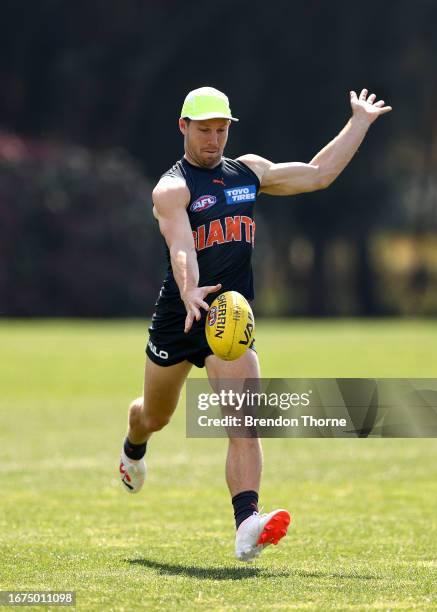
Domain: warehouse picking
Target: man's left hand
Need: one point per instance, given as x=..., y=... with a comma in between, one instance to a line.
x=365, y=108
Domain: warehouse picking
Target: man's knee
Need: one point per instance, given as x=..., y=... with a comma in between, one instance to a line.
x=156, y=423
x=136, y=410
x=139, y=419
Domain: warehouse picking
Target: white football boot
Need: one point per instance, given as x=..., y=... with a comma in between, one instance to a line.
x=258, y=531
x=132, y=473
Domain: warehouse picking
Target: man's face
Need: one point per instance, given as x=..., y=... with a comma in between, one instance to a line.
x=205, y=140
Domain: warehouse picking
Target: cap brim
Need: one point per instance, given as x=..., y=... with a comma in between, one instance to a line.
x=210, y=116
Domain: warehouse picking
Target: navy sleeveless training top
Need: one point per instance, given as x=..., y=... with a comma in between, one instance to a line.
x=221, y=216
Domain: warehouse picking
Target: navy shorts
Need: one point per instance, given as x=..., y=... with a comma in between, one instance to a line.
x=168, y=344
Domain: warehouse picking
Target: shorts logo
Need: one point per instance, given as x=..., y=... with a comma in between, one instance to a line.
x=212, y=315
x=161, y=354
x=203, y=203
x=240, y=194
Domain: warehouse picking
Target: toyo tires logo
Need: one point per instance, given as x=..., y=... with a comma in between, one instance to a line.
x=203, y=203
x=236, y=195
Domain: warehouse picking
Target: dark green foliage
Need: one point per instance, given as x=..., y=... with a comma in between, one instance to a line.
x=77, y=235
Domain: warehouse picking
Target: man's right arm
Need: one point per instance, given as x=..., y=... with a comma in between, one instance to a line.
x=170, y=199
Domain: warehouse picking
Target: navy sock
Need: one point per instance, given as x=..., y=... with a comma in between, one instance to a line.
x=245, y=504
x=134, y=451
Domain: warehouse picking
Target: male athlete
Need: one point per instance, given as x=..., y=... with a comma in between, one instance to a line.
x=204, y=206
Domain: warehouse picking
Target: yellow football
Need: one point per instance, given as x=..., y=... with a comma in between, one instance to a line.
x=229, y=325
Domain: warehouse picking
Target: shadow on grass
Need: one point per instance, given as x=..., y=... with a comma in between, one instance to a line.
x=206, y=573
x=240, y=573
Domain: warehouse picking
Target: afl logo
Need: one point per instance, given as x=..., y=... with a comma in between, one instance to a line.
x=203, y=203
x=212, y=315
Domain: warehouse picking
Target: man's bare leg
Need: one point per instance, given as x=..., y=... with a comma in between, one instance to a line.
x=243, y=469
x=162, y=388
x=244, y=458
x=147, y=414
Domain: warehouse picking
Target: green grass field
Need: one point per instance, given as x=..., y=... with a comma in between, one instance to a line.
x=364, y=531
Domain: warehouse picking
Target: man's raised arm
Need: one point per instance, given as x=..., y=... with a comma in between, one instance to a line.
x=294, y=177
x=170, y=199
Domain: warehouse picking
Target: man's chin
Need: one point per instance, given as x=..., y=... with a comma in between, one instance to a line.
x=209, y=160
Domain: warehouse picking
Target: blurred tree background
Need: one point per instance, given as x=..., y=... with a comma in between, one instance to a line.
x=90, y=96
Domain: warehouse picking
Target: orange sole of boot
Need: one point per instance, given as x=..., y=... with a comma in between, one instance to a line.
x=275, y=529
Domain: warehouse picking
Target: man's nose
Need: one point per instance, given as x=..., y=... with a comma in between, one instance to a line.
x=213, y=138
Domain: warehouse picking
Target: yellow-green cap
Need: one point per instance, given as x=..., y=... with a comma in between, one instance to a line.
x=206, y=103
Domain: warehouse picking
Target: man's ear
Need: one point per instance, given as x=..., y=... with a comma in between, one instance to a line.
x=182, y=126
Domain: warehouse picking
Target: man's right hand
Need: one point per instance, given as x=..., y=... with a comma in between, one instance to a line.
x=194, y=300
